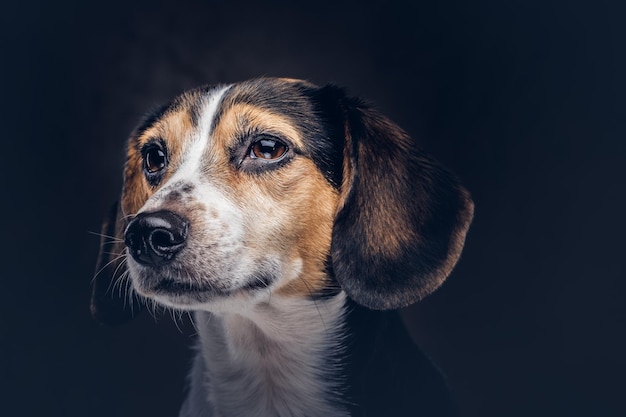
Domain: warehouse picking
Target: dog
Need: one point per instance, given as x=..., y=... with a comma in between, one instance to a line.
x=292, y=220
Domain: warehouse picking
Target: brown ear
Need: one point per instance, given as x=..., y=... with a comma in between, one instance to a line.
x=402, y=219
x=112, y=299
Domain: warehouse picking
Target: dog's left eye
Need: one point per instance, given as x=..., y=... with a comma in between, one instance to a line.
x=268, y=149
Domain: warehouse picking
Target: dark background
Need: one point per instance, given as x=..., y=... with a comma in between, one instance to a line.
x=524, y=100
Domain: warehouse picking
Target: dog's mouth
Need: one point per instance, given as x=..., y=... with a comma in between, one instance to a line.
x=182, y=287
x=175, y=287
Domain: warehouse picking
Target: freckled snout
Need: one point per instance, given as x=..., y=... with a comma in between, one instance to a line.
x=154, y=239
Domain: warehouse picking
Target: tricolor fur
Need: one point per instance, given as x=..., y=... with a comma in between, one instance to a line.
x=291, y=212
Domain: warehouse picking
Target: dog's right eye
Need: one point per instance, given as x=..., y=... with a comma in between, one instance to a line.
x=154, y=160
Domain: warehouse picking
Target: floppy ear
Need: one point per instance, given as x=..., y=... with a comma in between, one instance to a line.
x=112, y=301
x=402, y=218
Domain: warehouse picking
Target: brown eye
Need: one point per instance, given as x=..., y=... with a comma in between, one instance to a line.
x=268, y=149
x=155, y=160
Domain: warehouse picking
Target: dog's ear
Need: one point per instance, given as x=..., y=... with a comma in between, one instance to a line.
x=112, y=299
x=402, y=218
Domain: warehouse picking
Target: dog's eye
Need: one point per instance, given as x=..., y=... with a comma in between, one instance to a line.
x=155, y=160
x=268, y=149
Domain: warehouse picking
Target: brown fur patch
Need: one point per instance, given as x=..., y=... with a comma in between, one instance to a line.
x=312, y=222
x=298, y=193
x=242, y=119
x=174, y=129
x=382, y=186
x=387, y=228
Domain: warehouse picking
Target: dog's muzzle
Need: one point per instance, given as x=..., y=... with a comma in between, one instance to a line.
x=153, y=239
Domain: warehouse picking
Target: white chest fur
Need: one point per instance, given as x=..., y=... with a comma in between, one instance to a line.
x=274, y=360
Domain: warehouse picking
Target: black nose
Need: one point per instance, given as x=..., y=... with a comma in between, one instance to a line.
x=154, y=238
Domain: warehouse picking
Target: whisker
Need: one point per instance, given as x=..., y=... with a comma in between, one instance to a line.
x=154, y=307
x=193, y=323
x=208, y=320
x=129, y=216
x=129, y=291
x=116, y=280
x=117, y=258
x=118, y=254
x=112, y=239
x=124, y=287
x=174, y=313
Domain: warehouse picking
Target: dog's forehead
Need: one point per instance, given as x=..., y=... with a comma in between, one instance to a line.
x=279, y=95
x=280, y=106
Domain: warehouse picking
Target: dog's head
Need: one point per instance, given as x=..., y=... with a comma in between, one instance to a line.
x=275, y=185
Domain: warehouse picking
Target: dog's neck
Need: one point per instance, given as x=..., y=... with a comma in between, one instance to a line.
x=279, y=358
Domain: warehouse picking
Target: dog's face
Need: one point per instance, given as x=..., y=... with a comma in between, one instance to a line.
x=233, y=170
x=277, y=186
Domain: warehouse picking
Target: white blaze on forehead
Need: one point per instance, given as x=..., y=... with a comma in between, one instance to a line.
x=197, y=143
x=194, y=147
